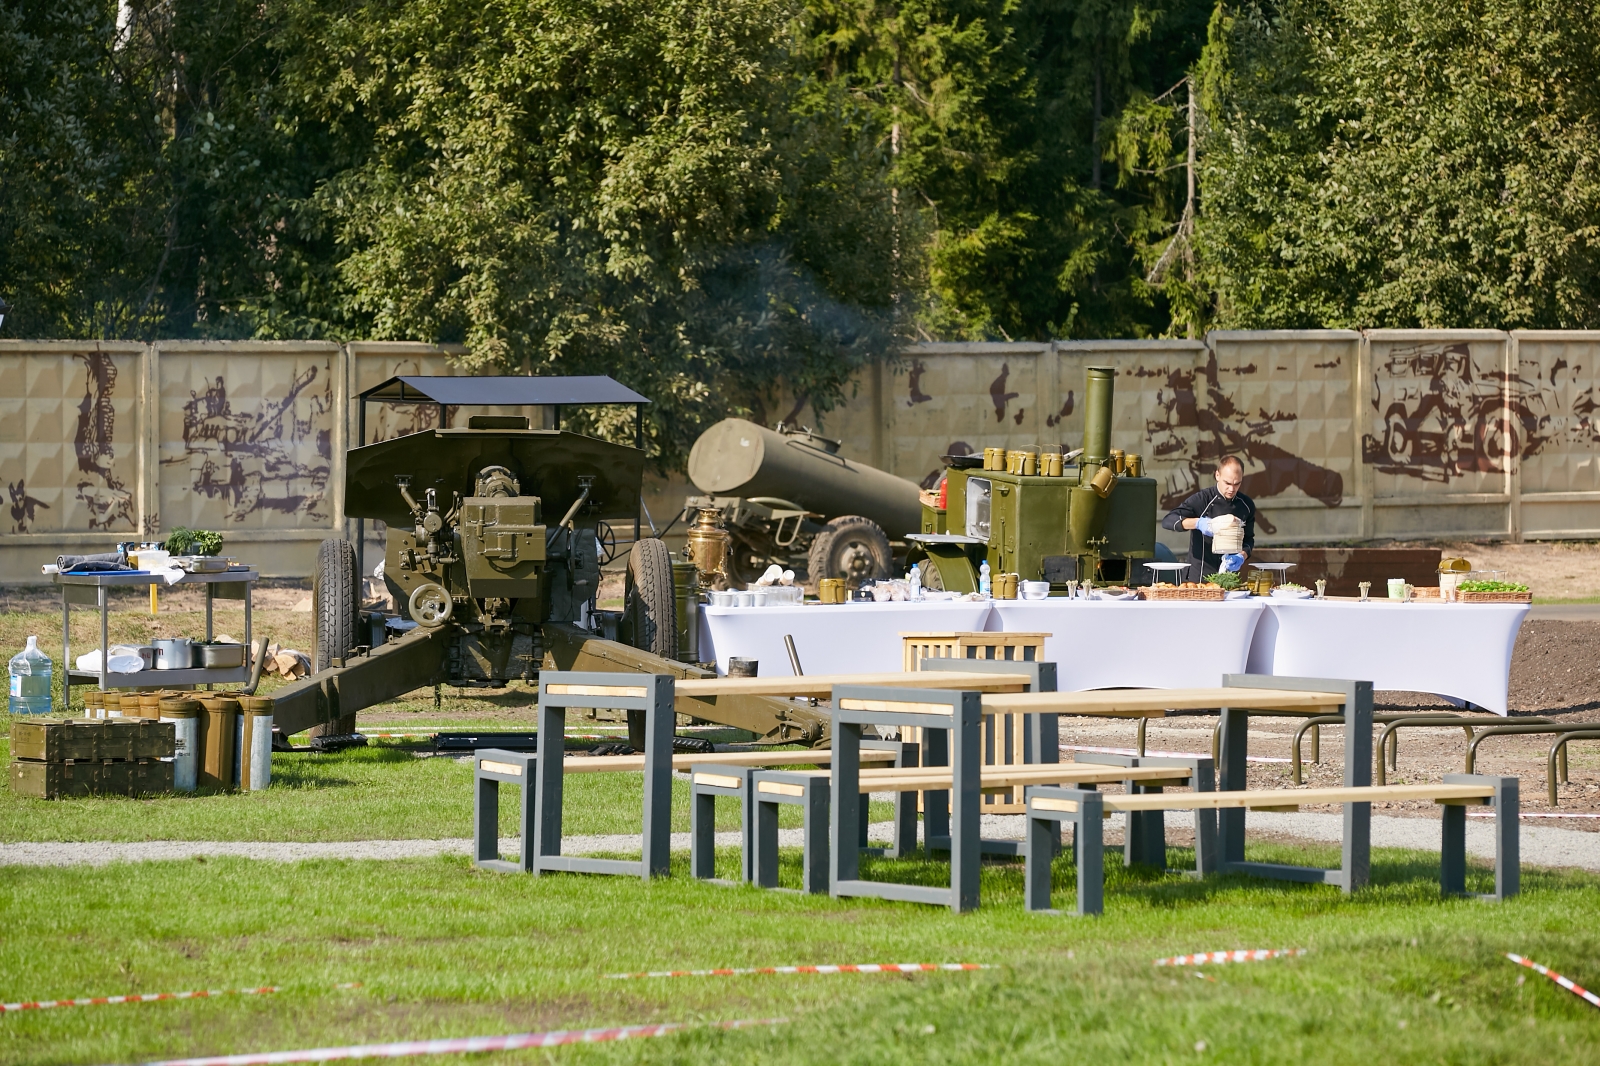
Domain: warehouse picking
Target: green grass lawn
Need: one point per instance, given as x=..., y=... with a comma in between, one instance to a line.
x=1394, y=974
x=442, y=950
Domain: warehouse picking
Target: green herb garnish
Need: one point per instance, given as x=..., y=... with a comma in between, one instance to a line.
x=1490, y=586
x=193, y=542
x=1226, y=581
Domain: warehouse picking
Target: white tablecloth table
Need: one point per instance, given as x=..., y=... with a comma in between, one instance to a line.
x=1460, y=650
x=846, y=638
x=1134, y=644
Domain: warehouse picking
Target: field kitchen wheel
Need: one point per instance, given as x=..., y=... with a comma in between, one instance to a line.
x=853, y=548
x=649, y=602
x=430, y=606
x=335, y=607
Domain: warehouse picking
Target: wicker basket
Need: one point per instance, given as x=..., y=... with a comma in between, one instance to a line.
x=1493, y=597
x=1211, y=593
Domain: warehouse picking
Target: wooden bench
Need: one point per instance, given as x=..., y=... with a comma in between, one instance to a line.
x=1051, y=807
x=811, y=790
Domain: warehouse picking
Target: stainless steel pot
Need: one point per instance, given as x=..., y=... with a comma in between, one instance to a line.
x=220, y=656
x=174, y=653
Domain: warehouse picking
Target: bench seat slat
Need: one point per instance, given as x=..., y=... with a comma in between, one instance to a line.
x=1288, y=797
x=1155, y=702
x=615, y=764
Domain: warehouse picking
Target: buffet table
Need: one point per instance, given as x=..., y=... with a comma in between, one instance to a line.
x=1133, y=644
x=848, y=638
x=1458, y=650
x=1461, y=651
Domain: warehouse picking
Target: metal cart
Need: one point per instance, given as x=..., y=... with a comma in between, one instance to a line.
x=94, y=590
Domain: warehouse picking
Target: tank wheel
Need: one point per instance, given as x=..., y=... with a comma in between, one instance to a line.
x=853, y=548
x=430, y=605
x=336, y=607
x=932, y=580
x=649, y=602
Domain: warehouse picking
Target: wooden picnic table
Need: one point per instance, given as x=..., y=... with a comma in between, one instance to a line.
x=820, y=686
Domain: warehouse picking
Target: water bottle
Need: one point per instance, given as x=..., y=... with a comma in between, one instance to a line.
x=914, y=578
x=30, y=680
x=985, y=586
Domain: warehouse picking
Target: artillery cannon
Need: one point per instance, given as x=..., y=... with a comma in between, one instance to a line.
x=1085, y=520
x=787, y=496
x=493, y=556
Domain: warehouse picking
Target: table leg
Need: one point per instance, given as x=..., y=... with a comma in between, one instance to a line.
x=66, y=649
x=210, y=587
x=105, y=611
x=1231, y=765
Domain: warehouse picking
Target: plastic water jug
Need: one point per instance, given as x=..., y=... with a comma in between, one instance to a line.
x=30, y=680
x=985, y=581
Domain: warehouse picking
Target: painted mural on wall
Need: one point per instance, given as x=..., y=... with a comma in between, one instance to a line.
x=256, y=452
x=1443, y=411
x=77, y=483
x=1199, y=419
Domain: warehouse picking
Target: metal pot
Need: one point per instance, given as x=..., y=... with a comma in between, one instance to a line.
x=220, y=656
x=174, y=653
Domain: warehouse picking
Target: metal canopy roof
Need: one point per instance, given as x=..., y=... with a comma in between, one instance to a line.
x=504, y=391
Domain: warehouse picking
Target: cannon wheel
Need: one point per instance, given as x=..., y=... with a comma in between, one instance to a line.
x=649, y=602
x=336, y=607
x=853, y=548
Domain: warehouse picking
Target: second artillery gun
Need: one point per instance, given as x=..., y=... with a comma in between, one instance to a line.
x=493, y=553
x=1089, y=518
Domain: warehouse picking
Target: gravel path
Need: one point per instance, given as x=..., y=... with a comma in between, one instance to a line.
x=1541, y=845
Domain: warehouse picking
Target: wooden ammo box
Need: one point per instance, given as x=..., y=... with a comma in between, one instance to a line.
x=91, y=757
x=96, y=739
x=124, y=777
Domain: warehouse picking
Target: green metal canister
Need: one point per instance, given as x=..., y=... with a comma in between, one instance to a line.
x=1098, y=392
x=216, y=742
x=686, y=608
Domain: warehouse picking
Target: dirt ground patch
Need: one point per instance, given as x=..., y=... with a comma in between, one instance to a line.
x=1555, y=673
x=1554, y=570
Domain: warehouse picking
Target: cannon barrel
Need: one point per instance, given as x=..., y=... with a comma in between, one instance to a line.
x=739, y=458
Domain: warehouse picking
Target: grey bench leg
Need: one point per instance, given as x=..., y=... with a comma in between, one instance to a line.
x=766, y=848
x=1091, y=854
x=486, y=821
x=1040, y=850
x=1453, y=849
x=1507, y=837
x=1144, y=838
x=702, y=836
x=816, y=825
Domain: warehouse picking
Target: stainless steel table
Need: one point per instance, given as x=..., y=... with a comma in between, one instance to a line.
x=94, y=590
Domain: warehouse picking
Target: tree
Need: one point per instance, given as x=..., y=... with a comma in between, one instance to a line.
x=1424, y=164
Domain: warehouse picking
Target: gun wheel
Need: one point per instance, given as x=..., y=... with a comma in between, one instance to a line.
x=649, y=603
x=336, y=606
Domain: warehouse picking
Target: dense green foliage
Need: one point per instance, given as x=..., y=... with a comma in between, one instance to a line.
x=720, y=205
x=1374, y=163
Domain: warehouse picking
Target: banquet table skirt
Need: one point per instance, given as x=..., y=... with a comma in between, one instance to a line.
x=848, y=638
x=1458, y=650
x=1135, y=644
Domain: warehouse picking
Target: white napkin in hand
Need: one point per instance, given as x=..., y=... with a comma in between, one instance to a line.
x=1224, y=521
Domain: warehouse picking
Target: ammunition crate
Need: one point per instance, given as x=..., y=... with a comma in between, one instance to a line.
x=92, y=739
x=123, y=777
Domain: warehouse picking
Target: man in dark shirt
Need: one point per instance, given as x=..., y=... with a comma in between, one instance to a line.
x=1195, y=515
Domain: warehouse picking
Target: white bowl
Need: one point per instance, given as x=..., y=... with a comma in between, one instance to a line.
x=1033, y=590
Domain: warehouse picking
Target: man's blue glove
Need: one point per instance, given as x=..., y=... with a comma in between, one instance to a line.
x=1232, y=564
x=1203, y=525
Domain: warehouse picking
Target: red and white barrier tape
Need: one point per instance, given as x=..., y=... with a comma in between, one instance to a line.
x=1206, y=957
x=1164, y=754
x=457, y=1046
x=871, y=967
x=153, y=997
x=1564, y=982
